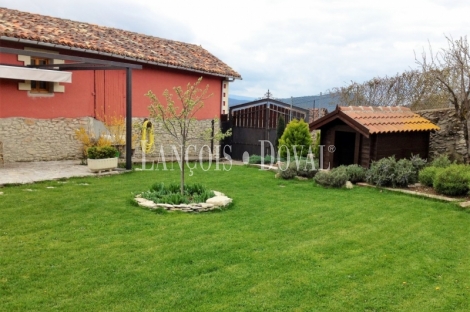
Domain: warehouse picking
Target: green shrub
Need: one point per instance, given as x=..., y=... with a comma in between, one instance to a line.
x=356, y=173
x=304, y=169
x=254, y=159
x=405, y=173
x=418, y=162
x=427, y=175
x=390, y=172
x=336, y=177
x=442, y=161
x=339, y=176
x=382, y=172
x=323, y=178
x=288, y=173
x=296, y=134
x=452, y=180
x=102, y=152
x=268, y=159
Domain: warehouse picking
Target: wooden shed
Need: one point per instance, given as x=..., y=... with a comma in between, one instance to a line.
x=362, y=134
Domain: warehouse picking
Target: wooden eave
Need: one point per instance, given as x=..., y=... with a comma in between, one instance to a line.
x=338, y=114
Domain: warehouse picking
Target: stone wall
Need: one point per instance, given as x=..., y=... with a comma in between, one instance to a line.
x=450, y=138
x=164, y=142
x=27, y=139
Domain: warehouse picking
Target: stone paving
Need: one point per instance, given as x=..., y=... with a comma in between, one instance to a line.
x=30, y=172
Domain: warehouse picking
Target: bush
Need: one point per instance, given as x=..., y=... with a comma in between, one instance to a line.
x=256, y=159
x=356, y=173
x=452, y=180
x=442, y=161
x=323, y=178
x=268, y=159
x=427, y=175
x=405, y=173
x=288, y=173
x=339, y=176
x=97, y=152
x=296, y=134
x=382, y=172
x=390, y=172
x=418, y=162
x=304, y=169
x=336, y=177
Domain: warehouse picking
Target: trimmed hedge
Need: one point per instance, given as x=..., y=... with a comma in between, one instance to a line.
x=427, y=175
x=453, y=180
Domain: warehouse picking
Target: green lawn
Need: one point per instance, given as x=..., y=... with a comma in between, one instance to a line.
x=282, y=246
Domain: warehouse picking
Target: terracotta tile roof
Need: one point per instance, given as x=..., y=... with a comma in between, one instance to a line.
x=379, y=119
x=119, y=43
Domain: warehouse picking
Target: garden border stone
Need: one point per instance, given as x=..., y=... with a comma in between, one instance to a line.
x=214, y=203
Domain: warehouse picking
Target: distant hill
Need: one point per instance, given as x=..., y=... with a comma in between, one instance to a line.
x=233, y=102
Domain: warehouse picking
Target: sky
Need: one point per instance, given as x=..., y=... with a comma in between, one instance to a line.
x=293, y=48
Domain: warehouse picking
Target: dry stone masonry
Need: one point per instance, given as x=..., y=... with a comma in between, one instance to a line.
x=450, y=138
x=28, y=139
x=164, y=141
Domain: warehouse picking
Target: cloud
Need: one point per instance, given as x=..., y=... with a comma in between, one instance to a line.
x=293, y=48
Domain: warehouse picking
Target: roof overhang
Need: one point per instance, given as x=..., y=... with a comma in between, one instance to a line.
x=25, y=73
x=126, y=58
x=337, y=114
x=270, y=102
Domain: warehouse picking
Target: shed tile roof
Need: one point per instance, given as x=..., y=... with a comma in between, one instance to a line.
x=380, y=119
x=119, y=43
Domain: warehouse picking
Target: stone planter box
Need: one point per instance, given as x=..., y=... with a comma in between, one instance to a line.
x=98, y=165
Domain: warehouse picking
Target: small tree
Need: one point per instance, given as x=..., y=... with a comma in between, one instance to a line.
x=450, y=68
x=410, y=88
x=296, y=135
x=179, y=121
x=281, y=126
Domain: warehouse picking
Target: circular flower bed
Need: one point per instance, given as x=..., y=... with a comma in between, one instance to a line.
x=196, y=198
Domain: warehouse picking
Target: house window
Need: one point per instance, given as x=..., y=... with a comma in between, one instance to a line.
x=40, y=86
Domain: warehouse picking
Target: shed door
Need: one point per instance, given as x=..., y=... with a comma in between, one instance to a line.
x=345, y=143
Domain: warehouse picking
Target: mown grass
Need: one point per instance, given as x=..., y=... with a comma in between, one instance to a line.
x=282, y=246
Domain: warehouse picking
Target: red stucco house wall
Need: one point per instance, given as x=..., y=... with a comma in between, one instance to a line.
x=40, y=126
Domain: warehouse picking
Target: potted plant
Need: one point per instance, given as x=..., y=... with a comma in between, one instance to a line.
x=102, y=158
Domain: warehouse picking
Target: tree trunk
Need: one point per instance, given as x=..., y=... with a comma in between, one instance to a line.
x=465, y=126
x=183, y=163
